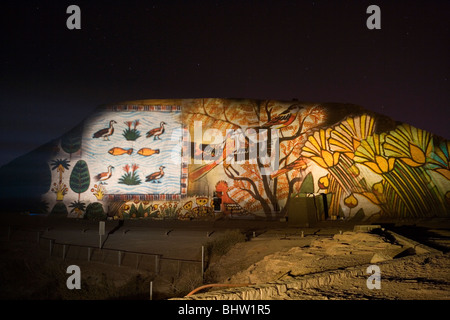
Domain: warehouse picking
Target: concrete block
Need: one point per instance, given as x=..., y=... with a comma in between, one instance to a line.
x=386, y=255
x=366, y=227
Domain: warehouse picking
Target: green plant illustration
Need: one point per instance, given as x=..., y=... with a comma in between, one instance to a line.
x=139, y=212
x=77, y=206
x=59, y=209
x=129, y=133
x=71, y=141
x=94, y=211
x=169, y=210
x=130, y=177
x=80, y=178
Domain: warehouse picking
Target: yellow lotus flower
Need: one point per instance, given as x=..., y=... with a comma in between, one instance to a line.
x=347, y=136
x=317, y=149
x=381, y=165
x=370, y=153
x=410, y=144
x=327, y=159
x=417, y=156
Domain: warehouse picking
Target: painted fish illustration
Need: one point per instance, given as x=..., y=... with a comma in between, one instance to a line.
x=116, y=151
x=146, y=152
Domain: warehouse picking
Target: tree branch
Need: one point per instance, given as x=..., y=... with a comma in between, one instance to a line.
x=287, y=156
x=268, y=111
x=215, y=119
x=297, y=134
x=300, y=127
x=257, y=109
x=256, y=195
x=265, y=181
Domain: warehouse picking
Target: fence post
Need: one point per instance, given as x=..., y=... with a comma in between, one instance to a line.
x=151, y=290
x=120, y=257
x=89, y=254
x=203, y=261
x=101, y=232
x=137, y=260
x=156, y=264
x=51, y=246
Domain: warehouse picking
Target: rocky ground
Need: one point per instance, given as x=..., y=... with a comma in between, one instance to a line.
x=404, y=275
x=321, y=254
x=415, y=278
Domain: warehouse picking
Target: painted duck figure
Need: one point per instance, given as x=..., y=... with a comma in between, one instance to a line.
x=102, y=177
x=156, y=176
x=106, y=132
x=155, y=133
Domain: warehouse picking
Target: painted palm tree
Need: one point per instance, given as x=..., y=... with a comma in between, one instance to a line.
x=60, y=165
x=78, y=207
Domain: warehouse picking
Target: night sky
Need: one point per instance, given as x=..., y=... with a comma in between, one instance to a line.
x=321, y=51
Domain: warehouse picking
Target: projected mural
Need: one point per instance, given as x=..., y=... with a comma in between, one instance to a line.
x=366, y=165
x=122, y=152
x=125, y=161
x=164, y=159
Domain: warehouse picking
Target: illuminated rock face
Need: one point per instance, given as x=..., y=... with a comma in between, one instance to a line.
x=159, y=159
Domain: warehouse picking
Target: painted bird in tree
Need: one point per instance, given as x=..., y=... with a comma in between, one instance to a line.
x=155, y=133
x=155, y=176
x=299, y=164
x=220, y=153
x=106, y=132
x=102, y=177
x=283, y=119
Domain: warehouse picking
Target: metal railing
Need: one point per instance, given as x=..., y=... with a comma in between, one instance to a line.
x=104, y=255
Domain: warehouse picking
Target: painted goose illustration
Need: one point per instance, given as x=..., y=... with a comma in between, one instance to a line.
x=106, y=132
x=102, y=177
x=156, y=176
x=155, y=133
